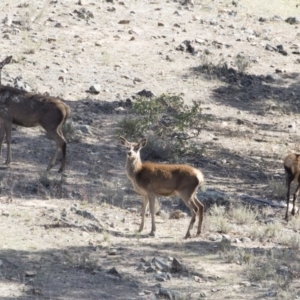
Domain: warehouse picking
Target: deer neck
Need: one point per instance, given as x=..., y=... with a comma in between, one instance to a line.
x=133, y=165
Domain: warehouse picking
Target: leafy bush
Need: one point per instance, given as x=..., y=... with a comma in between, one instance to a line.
x=168, y=120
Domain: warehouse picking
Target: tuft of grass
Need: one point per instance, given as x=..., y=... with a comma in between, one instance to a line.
x=291, y=240
x=277, y=188
x=272, y=230
x=243, y=215
x=242, y=62
x=237, y=255
x=217, y=210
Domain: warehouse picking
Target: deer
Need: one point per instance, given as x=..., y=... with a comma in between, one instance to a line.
x=26, y=109
x=151, y=180
x=292, y=171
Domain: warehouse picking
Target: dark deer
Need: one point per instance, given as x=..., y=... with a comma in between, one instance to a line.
x=29, y=110
x=292, y=172
x=151, y=180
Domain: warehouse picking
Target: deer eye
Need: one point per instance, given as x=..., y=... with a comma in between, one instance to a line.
x=136, y=148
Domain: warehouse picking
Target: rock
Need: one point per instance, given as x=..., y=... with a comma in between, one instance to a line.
x=124, y=22
x=281, y=50
x=140, y=267
x=202, y=294
x=226, y=238
x=246, y=240
x=160, y=278
x=272, y=78
x=83, y=13
x=95, y=89
x=160, y=24
x=215, y=238
x=237, y=241
x=145, y=93
x=150, y=270
x=177, y=266
x=111, y=9
x=262, y=19
x=113, y=271
x=113, y=252
x=30, y=273
x=161, y=265
x=292, y=20
x=87, y=215
x=84, y=128
x=270, y=48
x=172, y=295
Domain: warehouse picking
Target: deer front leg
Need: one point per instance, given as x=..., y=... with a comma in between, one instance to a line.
x=152, y=212
x=287, y=201
x=2, y=132
x=7, y=129
x=294, y=199
x=144, y=207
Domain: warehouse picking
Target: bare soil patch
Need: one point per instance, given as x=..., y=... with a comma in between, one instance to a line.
x=74, y=236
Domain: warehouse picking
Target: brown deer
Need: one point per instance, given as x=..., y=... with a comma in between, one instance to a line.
x=292, y=172
x=151, y=180
x=29, y=110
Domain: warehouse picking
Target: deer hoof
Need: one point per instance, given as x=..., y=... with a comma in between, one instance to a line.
x=152, y=233
x=187, y=236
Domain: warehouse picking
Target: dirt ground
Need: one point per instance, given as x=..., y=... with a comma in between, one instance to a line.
x=74, y=236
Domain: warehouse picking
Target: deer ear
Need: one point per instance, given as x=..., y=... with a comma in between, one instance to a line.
x=143, y=143
x=123, y=141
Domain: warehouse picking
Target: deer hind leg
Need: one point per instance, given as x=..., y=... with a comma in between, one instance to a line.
x=2, y=133
x=294, y=199
x=200, y=213
x=58, y=137
x=289, y=179
x=152, y=212
x=144, y=207
x=189, y=201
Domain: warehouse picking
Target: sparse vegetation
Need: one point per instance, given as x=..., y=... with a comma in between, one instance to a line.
x=174, y=124
x=243, y=215
x=242, y=62
x=75, y=236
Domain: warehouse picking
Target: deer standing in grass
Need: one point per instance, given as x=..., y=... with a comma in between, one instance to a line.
x=292, y=172
x=151, y=180
x=29, y=110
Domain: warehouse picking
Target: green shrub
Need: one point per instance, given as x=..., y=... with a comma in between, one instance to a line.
x=172, y=124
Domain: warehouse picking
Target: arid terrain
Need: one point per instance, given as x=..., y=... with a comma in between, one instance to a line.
x=74, y=235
